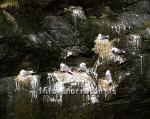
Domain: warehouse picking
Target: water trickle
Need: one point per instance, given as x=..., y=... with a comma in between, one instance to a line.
x=141, y=61
x=134, y=43
x=17, y=87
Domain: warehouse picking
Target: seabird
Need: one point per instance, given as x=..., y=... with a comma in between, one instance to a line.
x=83, y=67
x=26, y=73
x=69, y=53
x=76, y=51
x=108, y=76
x=117, y=51
x=103, y=37
x=65, y=68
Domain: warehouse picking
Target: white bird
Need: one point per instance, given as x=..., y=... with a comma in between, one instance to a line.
x=83, y=67
x=108, y=76
x=65, y=68
x=69, y=53
x=117, y=51
x=102, y=37
x=25, y=73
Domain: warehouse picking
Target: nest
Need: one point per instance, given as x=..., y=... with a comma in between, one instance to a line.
x=103, y=49
x=106, y=86
x=23, y=81
x=9, y=3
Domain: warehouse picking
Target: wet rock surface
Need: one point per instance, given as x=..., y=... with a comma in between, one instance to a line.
x=55, y=90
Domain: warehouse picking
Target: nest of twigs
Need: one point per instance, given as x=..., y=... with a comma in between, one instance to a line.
x=103, y=49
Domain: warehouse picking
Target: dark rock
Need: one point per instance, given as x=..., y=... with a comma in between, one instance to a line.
x=63, y=30
x=76, y=51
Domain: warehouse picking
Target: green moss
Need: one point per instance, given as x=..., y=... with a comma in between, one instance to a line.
x=147, y=24
x=92, y=17
x=95, y=50
x=138, y=31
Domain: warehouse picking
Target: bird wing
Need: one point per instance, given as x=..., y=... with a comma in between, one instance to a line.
x=85, y=68
x=66, y=68
x=108, y=77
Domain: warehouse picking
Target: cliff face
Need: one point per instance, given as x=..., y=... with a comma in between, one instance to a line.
x=42, y=33
x=52, y=33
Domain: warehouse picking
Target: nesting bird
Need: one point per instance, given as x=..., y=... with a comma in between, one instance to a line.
x=70, y=53
x=83, y=67
x=103, y=37
x=76, y=51
x=108, y=76
x=24, y=75
x=65, y=68
x=117, y=51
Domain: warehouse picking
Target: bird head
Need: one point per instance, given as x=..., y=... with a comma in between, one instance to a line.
x=108, y=72
x=83, y=64
x=62, y=65
x=22, y=73
x=99, y=36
